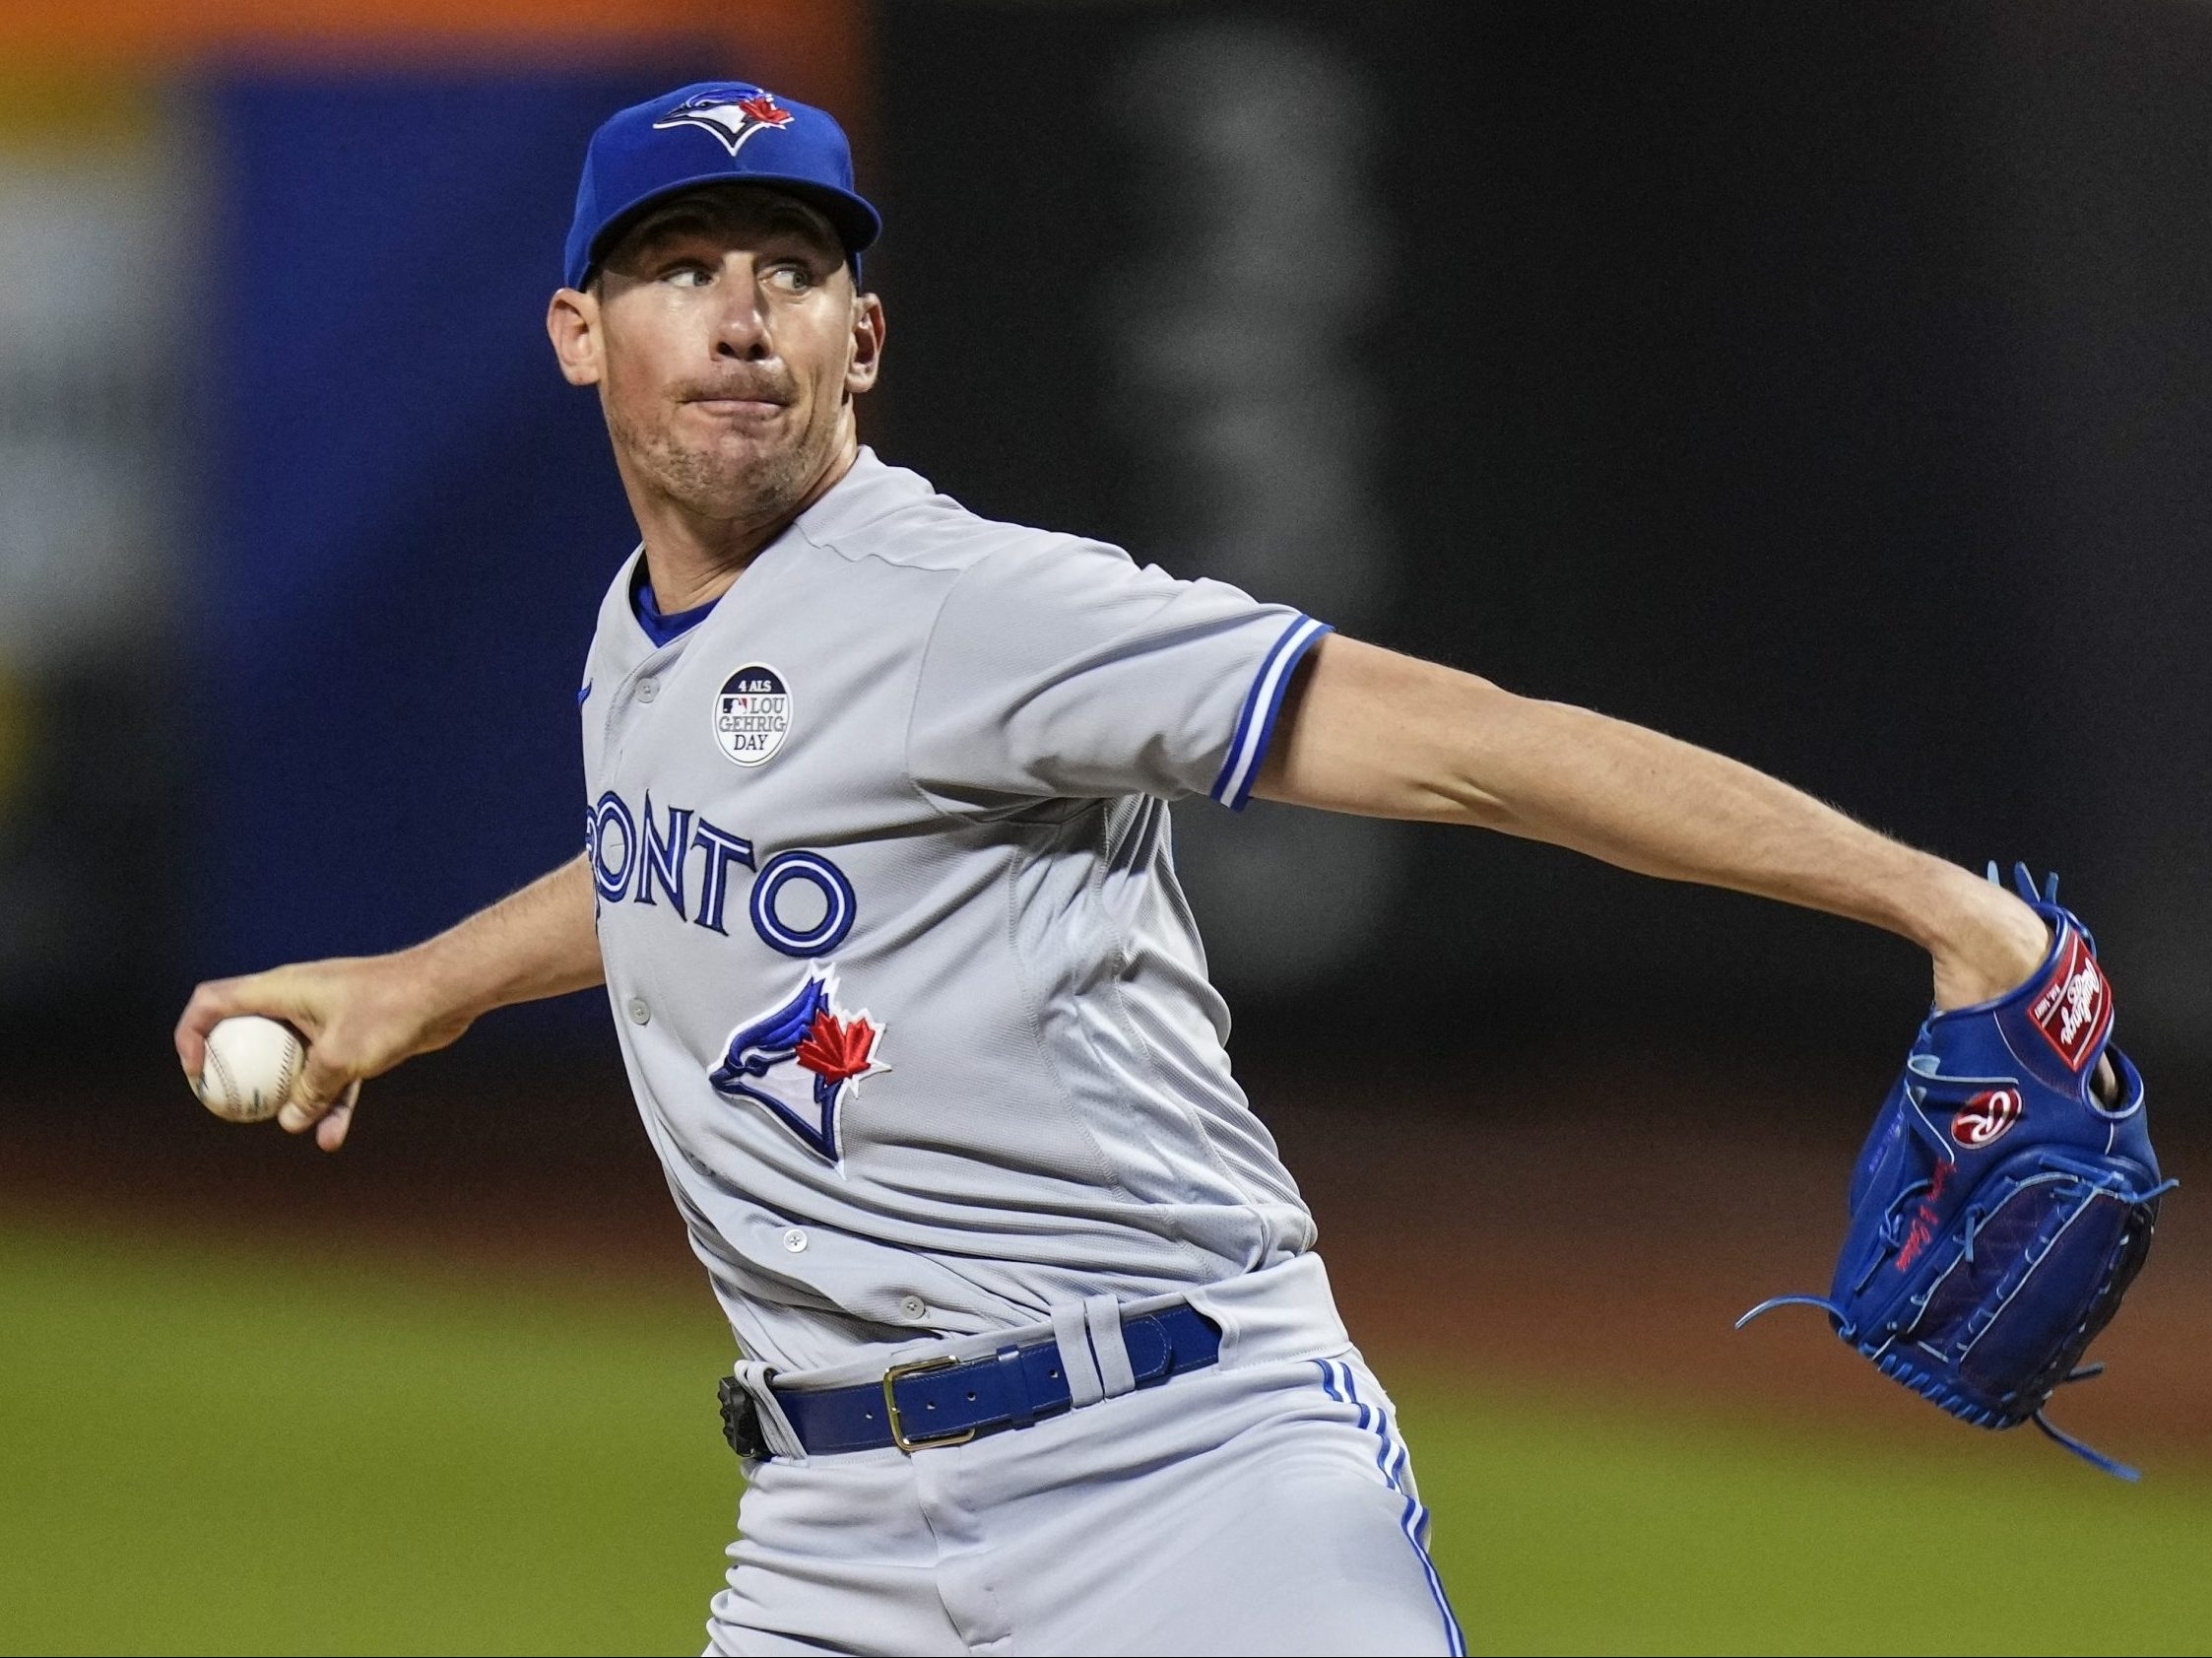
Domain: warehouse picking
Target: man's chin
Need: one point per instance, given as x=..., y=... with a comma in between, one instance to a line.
x=748, y=438
x=740, y=475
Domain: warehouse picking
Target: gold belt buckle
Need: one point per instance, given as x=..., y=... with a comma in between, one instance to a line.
x=899, y=1436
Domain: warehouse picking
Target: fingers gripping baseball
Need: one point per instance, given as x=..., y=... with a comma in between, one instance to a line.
x=329, y=1083
x=359, y=1017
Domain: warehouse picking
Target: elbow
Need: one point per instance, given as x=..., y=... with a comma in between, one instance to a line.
x=1464, y=800
x=1475, y=784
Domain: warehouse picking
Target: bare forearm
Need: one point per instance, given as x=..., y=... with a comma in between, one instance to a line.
x=537, y=941
x=1650, y=803
x=1387, y=736
x=362, y=1015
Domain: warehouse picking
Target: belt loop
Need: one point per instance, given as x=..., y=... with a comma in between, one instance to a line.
x=1102, y=1314
x=1015, y=1381
x=775, y=1428
x=1084, y=1385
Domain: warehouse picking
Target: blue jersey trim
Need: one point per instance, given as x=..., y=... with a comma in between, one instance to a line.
x=1392, y=1461
x=662, y=630
x=1256, y=725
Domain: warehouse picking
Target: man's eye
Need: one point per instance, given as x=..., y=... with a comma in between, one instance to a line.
x=687, y=276
x=792, y=279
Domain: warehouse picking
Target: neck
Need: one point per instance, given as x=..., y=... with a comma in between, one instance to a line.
x=691, y=559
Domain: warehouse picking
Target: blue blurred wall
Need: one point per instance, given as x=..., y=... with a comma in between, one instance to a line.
x=409, y=517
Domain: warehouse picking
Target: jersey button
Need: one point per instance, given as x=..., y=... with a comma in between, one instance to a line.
x=639, y=1012
x=794, y=1241
x=647, y=690
x=913, y=1307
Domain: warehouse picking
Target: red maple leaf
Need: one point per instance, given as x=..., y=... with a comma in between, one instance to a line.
x=834, y=1049
x=762, y=108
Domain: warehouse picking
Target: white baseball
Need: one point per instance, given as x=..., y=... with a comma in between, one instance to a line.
x=251, y=1064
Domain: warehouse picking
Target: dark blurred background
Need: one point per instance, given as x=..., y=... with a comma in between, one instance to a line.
x=1830, y=384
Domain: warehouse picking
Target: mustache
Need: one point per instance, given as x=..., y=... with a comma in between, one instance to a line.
x=762, y=388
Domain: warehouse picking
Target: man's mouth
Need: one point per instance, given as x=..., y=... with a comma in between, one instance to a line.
x=738, y=408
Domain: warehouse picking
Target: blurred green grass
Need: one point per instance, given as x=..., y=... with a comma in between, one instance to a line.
x=203, y=1450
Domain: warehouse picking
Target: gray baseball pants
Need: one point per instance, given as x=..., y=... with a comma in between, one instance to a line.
x=1262, y=1505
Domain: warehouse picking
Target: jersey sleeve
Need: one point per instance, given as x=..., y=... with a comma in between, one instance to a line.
x=1064, y=670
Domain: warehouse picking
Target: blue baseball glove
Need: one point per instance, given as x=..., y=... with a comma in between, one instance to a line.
x=2000, y=1210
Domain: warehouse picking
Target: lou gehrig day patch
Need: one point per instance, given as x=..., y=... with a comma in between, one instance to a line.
x=2075, y=1008
x=753, y=714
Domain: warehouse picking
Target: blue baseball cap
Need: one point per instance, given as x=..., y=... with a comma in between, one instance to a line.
x=714, y=132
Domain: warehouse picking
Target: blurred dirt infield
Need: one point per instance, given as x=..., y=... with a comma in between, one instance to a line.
x=1570, y=1234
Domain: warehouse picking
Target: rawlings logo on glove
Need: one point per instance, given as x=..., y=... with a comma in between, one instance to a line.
x=2000, y=1210
x=1985, y=1117
x=2075, y=1009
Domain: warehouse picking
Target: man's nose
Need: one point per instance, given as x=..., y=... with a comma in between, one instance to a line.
x=740, y=324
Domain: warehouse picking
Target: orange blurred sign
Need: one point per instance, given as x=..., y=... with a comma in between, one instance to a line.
x=815, y=47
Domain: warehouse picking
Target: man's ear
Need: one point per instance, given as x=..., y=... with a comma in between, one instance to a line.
x=572, y=324
x=868, y=345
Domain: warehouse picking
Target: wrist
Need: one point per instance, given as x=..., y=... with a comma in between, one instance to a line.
x=445, y=979
x=1984, y=942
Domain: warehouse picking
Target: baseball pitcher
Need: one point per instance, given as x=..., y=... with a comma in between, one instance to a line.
x=876, y=868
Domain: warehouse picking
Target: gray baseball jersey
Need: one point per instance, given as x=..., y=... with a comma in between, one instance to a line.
x=915, y=1011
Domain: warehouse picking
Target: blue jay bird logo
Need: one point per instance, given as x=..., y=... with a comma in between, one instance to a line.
x=808, y=1033
x=731, y=113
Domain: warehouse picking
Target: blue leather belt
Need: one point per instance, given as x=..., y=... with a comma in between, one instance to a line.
x=950, y=1401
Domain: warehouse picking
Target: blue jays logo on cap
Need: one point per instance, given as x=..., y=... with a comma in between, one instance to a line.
x=802, y=1060
x=731, y=113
